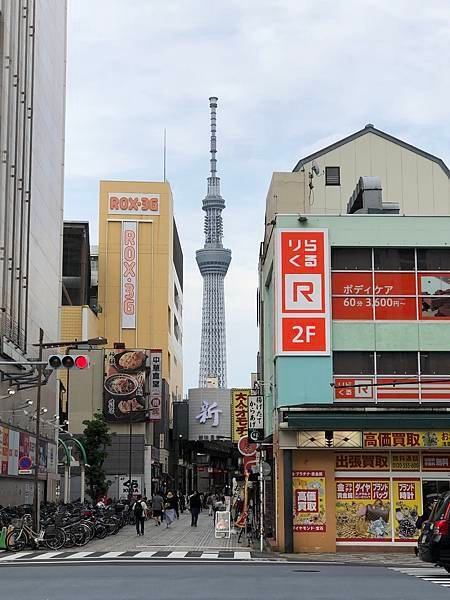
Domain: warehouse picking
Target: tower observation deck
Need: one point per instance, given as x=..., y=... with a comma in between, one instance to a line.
x=213, y=261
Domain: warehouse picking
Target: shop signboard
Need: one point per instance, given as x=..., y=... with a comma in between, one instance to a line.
x=303, y=293
x=362, y=389
x=406, y=439
x=128, y=269
x=13, y=454
x=407, y=508
x=155, y=385
x=222, y=528
x=436, y=462
x=124, y=485
x=308, y=489
x=4, y=447
x=405, y=461
x=363, y=509
x=130, y=203
x=124, y=385
x=239, y=413
x=362, y=462
x=256, y=417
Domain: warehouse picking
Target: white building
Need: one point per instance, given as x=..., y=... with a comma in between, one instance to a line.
x=32, y=118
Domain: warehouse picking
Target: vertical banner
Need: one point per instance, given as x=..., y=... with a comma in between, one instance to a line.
x=13, y=456
x=155, y=406
x=255, y=417
x=4, y=449
x=124, y=385
x=303, y=292
x=239, y=413
x=308, y=488
x=128, y=265
x=407, y=507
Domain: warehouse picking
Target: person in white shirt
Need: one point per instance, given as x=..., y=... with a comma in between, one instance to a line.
x=140, y=511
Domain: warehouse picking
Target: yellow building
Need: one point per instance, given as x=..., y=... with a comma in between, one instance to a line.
x=141, y=272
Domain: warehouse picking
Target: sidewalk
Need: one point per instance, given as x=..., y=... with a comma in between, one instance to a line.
x=180, y=536
x=390, y=559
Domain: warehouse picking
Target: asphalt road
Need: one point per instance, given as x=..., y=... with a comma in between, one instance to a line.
x=176, y=581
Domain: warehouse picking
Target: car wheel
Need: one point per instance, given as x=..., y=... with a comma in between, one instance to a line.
x=447, y=567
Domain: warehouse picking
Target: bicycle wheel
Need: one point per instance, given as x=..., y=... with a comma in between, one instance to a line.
x=16, y=540
x=81, y=534
x=54, y=538
x=70, y=539
x=100, y=531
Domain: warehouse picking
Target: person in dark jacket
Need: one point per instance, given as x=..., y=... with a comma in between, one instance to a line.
x=195, y=504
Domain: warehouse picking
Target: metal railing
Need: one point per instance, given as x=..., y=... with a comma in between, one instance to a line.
x=11, y=331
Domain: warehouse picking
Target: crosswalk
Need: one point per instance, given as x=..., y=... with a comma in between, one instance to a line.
x=430, y=574
x=30, y=557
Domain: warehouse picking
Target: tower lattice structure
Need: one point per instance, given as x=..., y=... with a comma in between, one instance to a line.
x=213, y=261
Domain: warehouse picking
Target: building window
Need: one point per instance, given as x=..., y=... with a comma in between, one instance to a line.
x=435, y=363
x=397, y=363
x=351, y=259
x=433, y=259
x=394, y=259
x=332, y=176
x=353, y=363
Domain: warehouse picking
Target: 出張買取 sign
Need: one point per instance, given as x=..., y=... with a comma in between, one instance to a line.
x=128, y=265
x=127, y=203
x=303, y=292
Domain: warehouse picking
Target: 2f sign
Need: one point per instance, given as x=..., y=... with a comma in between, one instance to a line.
x=303, y=290
x=306, y=335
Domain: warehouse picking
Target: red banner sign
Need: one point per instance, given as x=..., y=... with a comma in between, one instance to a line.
x=303, y=292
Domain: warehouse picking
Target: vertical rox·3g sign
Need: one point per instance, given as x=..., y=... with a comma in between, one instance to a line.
x=303, y=292
x=129, y=274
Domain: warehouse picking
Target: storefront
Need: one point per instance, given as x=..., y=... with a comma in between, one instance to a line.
x=346, y=489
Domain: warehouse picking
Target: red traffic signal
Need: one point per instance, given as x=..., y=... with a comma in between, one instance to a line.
x=68, y=361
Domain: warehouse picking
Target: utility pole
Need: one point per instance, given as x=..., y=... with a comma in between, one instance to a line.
x=36, y=502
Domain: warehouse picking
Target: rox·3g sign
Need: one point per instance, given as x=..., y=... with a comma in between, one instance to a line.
x=133, y=204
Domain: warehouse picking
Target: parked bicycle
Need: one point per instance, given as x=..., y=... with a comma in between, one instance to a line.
x=21, y=536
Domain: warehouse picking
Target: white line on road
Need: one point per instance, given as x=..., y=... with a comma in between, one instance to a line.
x=45, y=556
x=242, y=555
x=174, y=554
x=9, y=557
x=106, y=555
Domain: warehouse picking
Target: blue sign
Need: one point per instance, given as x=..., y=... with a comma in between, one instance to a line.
x=25, y=463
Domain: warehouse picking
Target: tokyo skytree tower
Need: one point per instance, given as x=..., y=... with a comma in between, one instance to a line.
x=213, y=261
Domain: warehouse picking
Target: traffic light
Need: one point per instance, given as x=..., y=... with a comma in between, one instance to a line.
x=68, y=361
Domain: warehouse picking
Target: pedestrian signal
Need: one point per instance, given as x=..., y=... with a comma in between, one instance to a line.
x=68, y=361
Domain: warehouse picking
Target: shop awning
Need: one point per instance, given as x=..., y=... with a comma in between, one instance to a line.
x=364, y=421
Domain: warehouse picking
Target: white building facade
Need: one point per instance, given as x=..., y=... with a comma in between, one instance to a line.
x=32, y=122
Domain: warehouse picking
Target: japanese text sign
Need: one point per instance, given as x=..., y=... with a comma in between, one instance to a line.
x=128, y=265
x=408, y=504
x=303, y=290
x=155, y=405
x=406, y=439
x=256, y=417
x=239, y=413
x=309, y=501
x=126, y=203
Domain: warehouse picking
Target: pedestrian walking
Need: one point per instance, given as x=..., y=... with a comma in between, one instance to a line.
x=177, y=506
x=171, y=507
x=182, y=502
x=209, y=503
x=140, y=510
x=195, y=504
x=157, y=508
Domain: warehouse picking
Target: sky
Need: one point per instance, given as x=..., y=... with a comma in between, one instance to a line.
x=292, y=76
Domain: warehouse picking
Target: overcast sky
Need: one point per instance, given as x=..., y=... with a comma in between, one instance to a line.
x=291, y=77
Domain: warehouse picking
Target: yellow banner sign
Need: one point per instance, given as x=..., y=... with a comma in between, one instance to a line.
x=407, y=507
x=362, y=462
x=308, y=488
x=363, y=509
x=239, y=413
x=405, y=461
x=406, y=439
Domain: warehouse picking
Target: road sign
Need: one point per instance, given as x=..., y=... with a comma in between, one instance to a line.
x=25, y=464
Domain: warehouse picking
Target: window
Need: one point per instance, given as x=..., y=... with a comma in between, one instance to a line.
x=332, y=176
x=353, y=363
x=351, y=259
x=394, y=259
x=433, y=259
x=397, y=363
x=435, y=363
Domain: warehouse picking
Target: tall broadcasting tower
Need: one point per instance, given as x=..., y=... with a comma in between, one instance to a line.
x=213, y=261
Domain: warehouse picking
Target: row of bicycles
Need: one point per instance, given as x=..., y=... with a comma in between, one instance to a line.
x=62, y=526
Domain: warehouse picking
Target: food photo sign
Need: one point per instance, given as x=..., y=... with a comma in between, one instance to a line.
x=124, y=385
